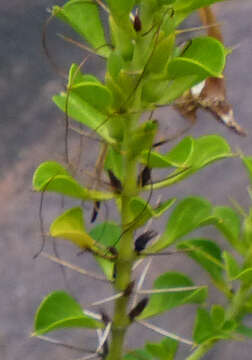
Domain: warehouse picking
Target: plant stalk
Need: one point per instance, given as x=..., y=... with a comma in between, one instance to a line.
x=201, y=350
x=126, y=256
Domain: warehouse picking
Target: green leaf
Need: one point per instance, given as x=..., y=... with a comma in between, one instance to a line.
x=207, y=254
x=217, y=316
x=161, y=302
x=193, y=4
x=106, y=234
x=143, y=212
x=244, y=330
x=46, y=171
x=115, y=64
x=203, y=329
x=81, y=111
x=166, y=2
x=245, y=275
x=175, y=88
x=121, y=8
x=59, y=310
x=233, y=269
x=162, y=54
x=139, y=354
x=184, y=7
x=186, y=217
x=95, y=94
x=83, y=17
x=142, y=138
x=203, y=57
x=228, y=222
x=70, y=226
x=165, y=350
x=208, y=149
x=247, y=161
x=179, y=156
x=114, y=162
x=192, y=155
x=212, y=326
x=76, y=76
x=51, y=176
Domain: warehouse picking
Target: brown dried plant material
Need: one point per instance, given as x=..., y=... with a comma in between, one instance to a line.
x=210, y=94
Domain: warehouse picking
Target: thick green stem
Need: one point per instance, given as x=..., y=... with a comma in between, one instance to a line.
x=125, y=259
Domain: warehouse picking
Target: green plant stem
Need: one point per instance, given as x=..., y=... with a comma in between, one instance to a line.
x=237, y=302
x=125, y=259
x=201, y=350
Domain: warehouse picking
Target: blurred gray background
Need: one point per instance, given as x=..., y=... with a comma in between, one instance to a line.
x=31, y=131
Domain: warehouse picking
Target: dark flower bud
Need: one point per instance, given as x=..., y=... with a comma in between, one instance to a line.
x=129, y=288
x=143, y=240
x=115, y=183
x=138, y=309
x=96, y=208
x=144, y=177
x=137, y=23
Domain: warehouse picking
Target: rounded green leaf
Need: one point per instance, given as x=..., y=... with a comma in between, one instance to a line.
x=203, y=57
x=165, y=350
x=207, y=254
x=176, y=88
x=66, y=185
x=203, y=328
x=138, y=354
x=233, y=269
x=228, y=222
x=76, y=76
x=115, y=64
x=161, y=302
x=95, y=94
x=143, y=212
x=218, y=316
x=59, y=310
x=191, y=5
x=186, y=217
x=51, y=176
x=121, y=8
x=162, y=54
x=45, y=172
x=84, y=18
x=70, y=226
x=209, y=327
x=114, y=162
x=208, y=149
x=81, y=111
x=179, y=156
x=106, y=234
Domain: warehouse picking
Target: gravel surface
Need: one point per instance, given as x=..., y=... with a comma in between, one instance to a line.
x=31, y=132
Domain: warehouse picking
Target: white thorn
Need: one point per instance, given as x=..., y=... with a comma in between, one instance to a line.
x=169, y=290
x=165, y=333
x=104, y=337
x=141, y=281
x=73, y=267
x=108, y=299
